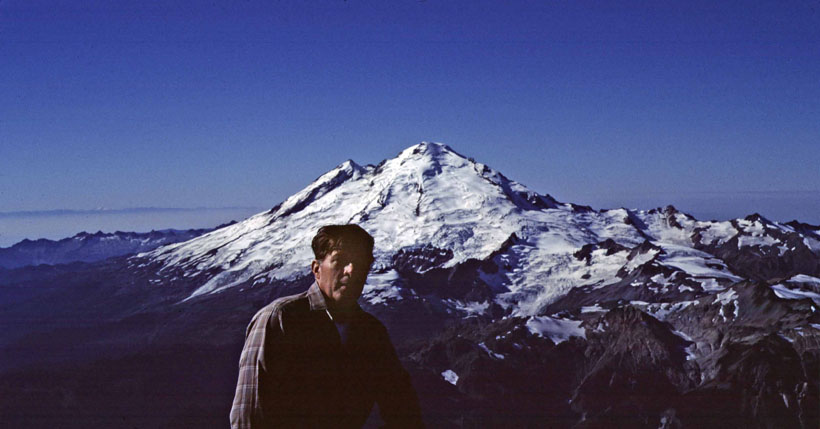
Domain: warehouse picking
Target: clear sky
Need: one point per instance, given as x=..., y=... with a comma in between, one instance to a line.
x=713, y=106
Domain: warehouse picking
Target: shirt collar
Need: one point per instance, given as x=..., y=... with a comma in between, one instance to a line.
x=318, y=302
x=316, y=298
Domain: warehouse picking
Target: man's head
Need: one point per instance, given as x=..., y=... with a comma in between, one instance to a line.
x=343, y=255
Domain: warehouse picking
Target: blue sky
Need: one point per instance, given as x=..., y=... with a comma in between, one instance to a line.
x=711, y=106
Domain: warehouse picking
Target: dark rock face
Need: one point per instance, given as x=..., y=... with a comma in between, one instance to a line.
x=506, y=376
x=463, y=282
x=420, y=259
x=609, y=244
x=422, y=271
x=636, y=367
x=762, y=382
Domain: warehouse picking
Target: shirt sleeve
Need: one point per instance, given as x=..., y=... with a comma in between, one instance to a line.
x=248, y=409
x=398, y=401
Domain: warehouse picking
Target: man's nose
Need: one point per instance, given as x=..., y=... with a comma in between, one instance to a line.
x=349, y=268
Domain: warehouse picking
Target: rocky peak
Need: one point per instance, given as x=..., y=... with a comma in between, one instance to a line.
x=429, y=149
x=757, y=217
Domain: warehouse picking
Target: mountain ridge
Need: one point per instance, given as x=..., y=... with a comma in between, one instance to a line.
x=92, y=247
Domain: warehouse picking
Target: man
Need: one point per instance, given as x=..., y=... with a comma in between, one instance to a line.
x=317, y=359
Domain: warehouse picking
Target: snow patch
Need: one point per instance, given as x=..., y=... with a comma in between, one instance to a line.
x=802, y=278
x=662, y=310
x=812, y=244
x=471, y=308
x=490, y=352
x=710, y=285
x=700, y=265
x=450, y=376
x=726, y=298
x=719, y=232
x=641, y=259
x=783, y=292
x=790, y=340
x=557, y=330
x=592, y=309
x=756, y=240
x=659, y=279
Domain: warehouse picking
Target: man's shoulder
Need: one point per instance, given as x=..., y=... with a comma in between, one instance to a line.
x=281, y=305
x=371, y=322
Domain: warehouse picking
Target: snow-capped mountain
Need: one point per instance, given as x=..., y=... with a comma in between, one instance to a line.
x=508, y=307
x=91, y=247
x=430, y=208
x=427, y=196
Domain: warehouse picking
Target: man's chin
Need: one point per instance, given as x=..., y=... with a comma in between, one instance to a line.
x=346, y=295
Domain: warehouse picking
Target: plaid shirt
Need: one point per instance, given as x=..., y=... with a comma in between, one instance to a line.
x=294, y=370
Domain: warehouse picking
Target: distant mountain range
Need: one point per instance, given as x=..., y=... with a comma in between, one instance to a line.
x=91, y=247
x=508, y=307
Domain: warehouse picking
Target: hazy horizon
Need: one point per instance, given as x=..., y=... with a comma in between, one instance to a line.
x=53, y=225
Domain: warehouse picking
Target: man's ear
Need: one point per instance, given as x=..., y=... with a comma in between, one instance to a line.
x=314, y=267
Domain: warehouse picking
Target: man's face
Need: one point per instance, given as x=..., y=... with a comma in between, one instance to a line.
x=341, y=275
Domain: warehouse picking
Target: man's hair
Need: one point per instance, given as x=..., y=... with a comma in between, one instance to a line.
x=337, y=237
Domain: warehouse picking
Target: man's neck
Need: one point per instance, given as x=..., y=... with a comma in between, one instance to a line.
x=338, y=312
x=342, y=313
